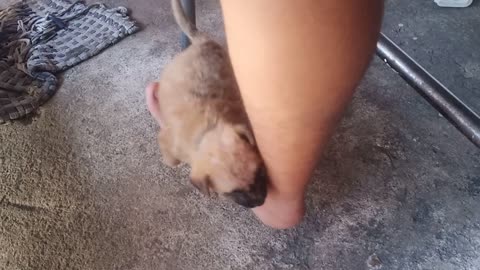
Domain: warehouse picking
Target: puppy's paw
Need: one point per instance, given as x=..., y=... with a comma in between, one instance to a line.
x=170, y=161
x=164, y=142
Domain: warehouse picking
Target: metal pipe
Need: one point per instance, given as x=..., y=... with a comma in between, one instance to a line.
x=189, y=9
x=451, y=107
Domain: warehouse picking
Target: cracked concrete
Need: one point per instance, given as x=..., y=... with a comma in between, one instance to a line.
x=82, y=186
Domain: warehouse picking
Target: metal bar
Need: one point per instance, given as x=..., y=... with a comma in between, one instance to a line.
x=189, y=8
x=451, y=107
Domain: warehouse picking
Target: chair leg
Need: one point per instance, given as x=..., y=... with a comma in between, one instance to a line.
x=189, y=8
x=442, y=99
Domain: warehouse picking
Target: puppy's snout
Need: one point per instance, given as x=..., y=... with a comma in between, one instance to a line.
x=255, y=195
x=246, y=198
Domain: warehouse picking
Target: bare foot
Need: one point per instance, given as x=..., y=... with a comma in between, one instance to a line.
x=281, y=212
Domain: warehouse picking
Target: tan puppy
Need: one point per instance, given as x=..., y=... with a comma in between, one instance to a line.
x=203, y=121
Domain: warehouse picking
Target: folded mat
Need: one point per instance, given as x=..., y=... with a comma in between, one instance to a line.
x=40, y=38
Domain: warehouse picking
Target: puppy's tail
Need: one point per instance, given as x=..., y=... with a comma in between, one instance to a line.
x=182, y=20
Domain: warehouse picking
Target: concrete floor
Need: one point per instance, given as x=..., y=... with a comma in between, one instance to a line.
x=82, y=186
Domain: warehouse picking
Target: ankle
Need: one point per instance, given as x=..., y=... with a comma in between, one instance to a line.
x=281, y=213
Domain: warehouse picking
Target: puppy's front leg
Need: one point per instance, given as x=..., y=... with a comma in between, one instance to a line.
x=165, y=146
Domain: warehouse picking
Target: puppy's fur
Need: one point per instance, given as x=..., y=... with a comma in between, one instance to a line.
x=203, y=121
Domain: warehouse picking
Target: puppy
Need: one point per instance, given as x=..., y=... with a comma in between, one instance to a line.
x=203, y=122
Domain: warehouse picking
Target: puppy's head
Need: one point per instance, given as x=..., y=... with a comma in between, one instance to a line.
x=228, y=163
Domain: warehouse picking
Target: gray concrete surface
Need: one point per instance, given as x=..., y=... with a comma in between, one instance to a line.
x=82, y=186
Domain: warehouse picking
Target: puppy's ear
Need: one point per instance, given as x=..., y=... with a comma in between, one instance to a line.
x=244, y=133
x=152, y=101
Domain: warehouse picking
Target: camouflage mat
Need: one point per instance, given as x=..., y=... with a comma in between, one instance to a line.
x=40, y=38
